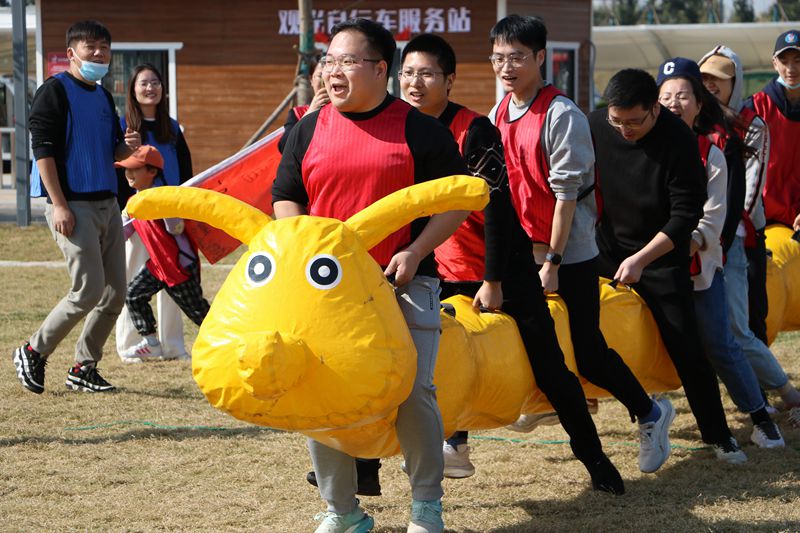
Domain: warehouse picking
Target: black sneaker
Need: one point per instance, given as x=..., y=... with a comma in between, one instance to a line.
x=605, y=476
x=86, y=378
x=30, y=368
x=369, y=483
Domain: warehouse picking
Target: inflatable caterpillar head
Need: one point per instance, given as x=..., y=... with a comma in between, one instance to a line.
x=306, y=333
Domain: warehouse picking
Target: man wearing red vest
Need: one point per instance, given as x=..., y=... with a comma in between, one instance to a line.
x=779, y=105
x=173, y=265
x=337, y=161
x=550, y=163
x=472, y=261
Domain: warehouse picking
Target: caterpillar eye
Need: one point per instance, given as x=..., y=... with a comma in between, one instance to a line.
x=324, y=271
x=260, y=268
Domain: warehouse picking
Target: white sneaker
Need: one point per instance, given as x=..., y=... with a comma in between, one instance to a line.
x=456, y=461
x=729, y=452
x=527, y=423
x=794, y=416
x=767, y=435
x=142, y=350
x=654, y=448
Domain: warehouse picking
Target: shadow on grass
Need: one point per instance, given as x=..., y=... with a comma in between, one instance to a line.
x=670, y=501
x=151, y=431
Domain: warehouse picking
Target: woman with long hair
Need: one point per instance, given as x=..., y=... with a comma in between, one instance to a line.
x=147, y=112
x=682, y=92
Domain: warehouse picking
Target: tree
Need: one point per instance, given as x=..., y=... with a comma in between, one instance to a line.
x=618, y=13
x=682, y=11
x=743, y=11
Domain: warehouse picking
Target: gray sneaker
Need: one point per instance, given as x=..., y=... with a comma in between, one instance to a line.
x=527, y=423
x=654, y=448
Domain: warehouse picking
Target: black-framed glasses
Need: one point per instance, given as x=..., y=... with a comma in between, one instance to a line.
x=514, y=60
x=346, y=62
x=424, y=75
x=634, y=124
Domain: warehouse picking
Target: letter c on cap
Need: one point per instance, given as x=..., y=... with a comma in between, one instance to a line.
x=669, y=68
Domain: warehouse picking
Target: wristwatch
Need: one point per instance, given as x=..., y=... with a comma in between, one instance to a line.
x=553, y=258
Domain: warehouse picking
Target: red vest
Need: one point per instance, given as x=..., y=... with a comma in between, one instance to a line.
x=164, y=262
x=351, y=164
x=527, y=166
x=782, y=186
x=460, y=257
x=299, y=111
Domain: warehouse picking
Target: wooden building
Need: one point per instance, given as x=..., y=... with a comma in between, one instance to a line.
x=229, y=64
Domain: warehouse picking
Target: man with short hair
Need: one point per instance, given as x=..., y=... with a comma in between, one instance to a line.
x=472, y=261
x=779, y=105
x=653, y=187
x=337, y=161
x=550, y=162
x=76, y=137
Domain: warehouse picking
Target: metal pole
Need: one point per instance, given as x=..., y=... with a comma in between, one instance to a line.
x=275, y=114
x=20, y=48
x=304, y=93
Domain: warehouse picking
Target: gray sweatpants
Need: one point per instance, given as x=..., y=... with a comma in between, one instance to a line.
x=95, y=256
x=419, y=423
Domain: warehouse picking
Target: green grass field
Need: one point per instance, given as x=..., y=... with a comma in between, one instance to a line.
x=154, y=456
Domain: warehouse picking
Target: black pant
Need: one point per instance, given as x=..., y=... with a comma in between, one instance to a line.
x=602, y=366
x=757, y=287
x=524, y=301
x=667, y=290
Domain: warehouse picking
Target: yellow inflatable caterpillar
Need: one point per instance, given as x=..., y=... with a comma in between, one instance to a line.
x=306, y=335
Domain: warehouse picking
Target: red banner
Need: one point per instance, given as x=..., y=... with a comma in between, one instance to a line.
x=247, y=176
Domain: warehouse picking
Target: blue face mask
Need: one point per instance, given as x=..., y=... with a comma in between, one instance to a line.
x=92, y=71
x=790, y=87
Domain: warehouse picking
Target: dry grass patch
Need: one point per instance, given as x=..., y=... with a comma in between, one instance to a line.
x=154, y=456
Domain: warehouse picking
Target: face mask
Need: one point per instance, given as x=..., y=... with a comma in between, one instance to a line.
x=790, y=87
x=92, y=71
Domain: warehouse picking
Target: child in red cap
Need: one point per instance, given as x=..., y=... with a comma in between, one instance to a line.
x=173, y=265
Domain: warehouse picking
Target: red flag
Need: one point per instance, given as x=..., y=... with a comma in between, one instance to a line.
x=246, y=175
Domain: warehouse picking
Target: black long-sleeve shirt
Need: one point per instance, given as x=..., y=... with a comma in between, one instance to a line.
x=483, y=153
x=656, y=184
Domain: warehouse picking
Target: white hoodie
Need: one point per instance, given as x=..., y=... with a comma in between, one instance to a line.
x=757, y=138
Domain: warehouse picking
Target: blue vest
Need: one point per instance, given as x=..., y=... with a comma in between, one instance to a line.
x=90, y=142
x=172, y=172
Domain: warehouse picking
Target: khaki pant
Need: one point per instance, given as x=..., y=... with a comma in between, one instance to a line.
x=95, y=256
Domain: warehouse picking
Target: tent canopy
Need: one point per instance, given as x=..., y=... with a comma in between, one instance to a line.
x=647, y=46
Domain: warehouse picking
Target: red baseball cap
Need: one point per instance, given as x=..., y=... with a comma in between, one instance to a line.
x=144, y=155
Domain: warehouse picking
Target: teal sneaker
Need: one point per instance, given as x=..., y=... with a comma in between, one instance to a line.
x=426, y=517
x=356, y=521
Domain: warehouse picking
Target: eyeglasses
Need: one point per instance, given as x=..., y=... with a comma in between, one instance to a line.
x=155, y=84
x=634, y=124
x=515, y=60
x=424, y=75
x=346, y=62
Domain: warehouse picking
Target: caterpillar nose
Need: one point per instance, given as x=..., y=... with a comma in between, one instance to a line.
x=271, y=364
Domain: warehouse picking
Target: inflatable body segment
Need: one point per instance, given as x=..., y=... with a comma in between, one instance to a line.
x=306, y=334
